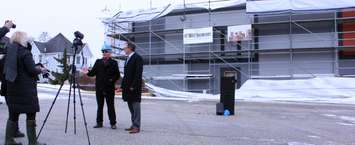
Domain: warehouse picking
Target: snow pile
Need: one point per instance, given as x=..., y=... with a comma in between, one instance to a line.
x=162, y=92
x=318, y=90
x=49, y=86
x=321, y=89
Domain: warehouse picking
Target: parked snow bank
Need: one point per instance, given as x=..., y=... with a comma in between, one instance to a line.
x=321, y=89
x=316, y=90
x=162, y=92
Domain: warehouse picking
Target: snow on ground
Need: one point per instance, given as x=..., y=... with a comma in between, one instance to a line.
x=298, y=143
x=315, y=90
x=321, y=89
x=342, y=120
x=51, y=87
x=318, y=90
x=43, y=94
x=162, y=92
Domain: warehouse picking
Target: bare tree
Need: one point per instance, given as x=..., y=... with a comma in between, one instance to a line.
x=44, y=37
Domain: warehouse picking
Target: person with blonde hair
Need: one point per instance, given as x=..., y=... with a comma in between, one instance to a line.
x=3, y=42
x=21, y=78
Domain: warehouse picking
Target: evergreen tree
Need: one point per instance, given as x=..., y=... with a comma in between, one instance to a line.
x=64, y=65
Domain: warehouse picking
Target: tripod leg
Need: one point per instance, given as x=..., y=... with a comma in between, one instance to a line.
x=66, y=120
x=74, y=99
x=50, y=110
x=84, y=117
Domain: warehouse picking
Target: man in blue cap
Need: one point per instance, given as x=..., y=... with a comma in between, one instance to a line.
x=107, y=73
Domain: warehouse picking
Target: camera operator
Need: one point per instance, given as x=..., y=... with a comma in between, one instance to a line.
x=3, y=42
x=21, y=75
x=4, y=30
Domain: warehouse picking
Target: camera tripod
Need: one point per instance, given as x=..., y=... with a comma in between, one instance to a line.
x=73, y=85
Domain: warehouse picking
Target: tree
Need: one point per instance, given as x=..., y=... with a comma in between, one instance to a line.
x=44, y=37
x=60, y=77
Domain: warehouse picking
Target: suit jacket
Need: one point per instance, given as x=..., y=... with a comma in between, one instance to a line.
x=132, y=80
x=106, y=75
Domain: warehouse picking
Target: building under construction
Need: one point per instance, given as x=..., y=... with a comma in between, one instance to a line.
x=189, y=47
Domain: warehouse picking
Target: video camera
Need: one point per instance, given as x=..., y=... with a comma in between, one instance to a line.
x=13, y=26
x=78, y=39
x=44, y=74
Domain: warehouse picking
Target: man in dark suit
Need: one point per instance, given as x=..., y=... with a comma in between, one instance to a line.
x=132, y=86
x=107, y=73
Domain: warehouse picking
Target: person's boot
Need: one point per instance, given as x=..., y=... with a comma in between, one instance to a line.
x=31, y=133
x=18, y=133
x=10, y=132
x=99, y=125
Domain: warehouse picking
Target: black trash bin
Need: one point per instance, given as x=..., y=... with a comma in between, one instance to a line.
x=227, y=97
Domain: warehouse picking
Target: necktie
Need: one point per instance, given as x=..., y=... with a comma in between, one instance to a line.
x=127, y=60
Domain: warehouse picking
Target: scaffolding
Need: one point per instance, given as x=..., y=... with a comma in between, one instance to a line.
x=160, y=42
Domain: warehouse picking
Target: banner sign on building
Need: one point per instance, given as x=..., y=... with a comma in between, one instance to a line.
x=239, y=33
x=199, y=35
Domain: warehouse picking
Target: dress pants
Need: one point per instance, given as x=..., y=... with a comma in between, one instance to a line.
x=110, y=101
x=135, y=109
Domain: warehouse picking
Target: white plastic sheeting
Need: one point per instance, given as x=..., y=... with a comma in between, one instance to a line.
x=260, y=6
x=264, y=6
x=140, y=15
x=337, y=90
x=149, y=14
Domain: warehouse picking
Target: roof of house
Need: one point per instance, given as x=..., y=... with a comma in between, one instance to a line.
x=56, y=44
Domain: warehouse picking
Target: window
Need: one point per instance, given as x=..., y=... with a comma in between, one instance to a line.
x=85, y=61
x=40, y=58
x=78, y=60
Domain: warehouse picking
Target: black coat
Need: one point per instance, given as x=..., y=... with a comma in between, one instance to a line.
x=3, y=43
x=133, y=79
x=106, y=76
x=22, y=93
x=3, y=31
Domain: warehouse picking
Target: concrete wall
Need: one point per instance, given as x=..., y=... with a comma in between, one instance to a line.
x=227, y=18
x=317, y=40
x=313, y=53
x=304, y=62
x=152, y=71
x=313, y=44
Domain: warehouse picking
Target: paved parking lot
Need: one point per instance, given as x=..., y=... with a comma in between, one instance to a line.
x=183, y=123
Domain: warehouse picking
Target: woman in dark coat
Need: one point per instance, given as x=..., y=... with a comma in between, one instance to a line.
x=21, y=76
x=3, y=42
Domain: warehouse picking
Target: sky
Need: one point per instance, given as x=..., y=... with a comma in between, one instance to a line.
x=68, y=16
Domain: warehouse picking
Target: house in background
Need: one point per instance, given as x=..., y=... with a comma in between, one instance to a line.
x=46, y=52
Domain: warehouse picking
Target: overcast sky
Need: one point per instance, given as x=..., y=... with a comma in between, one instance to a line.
x=67, y=16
